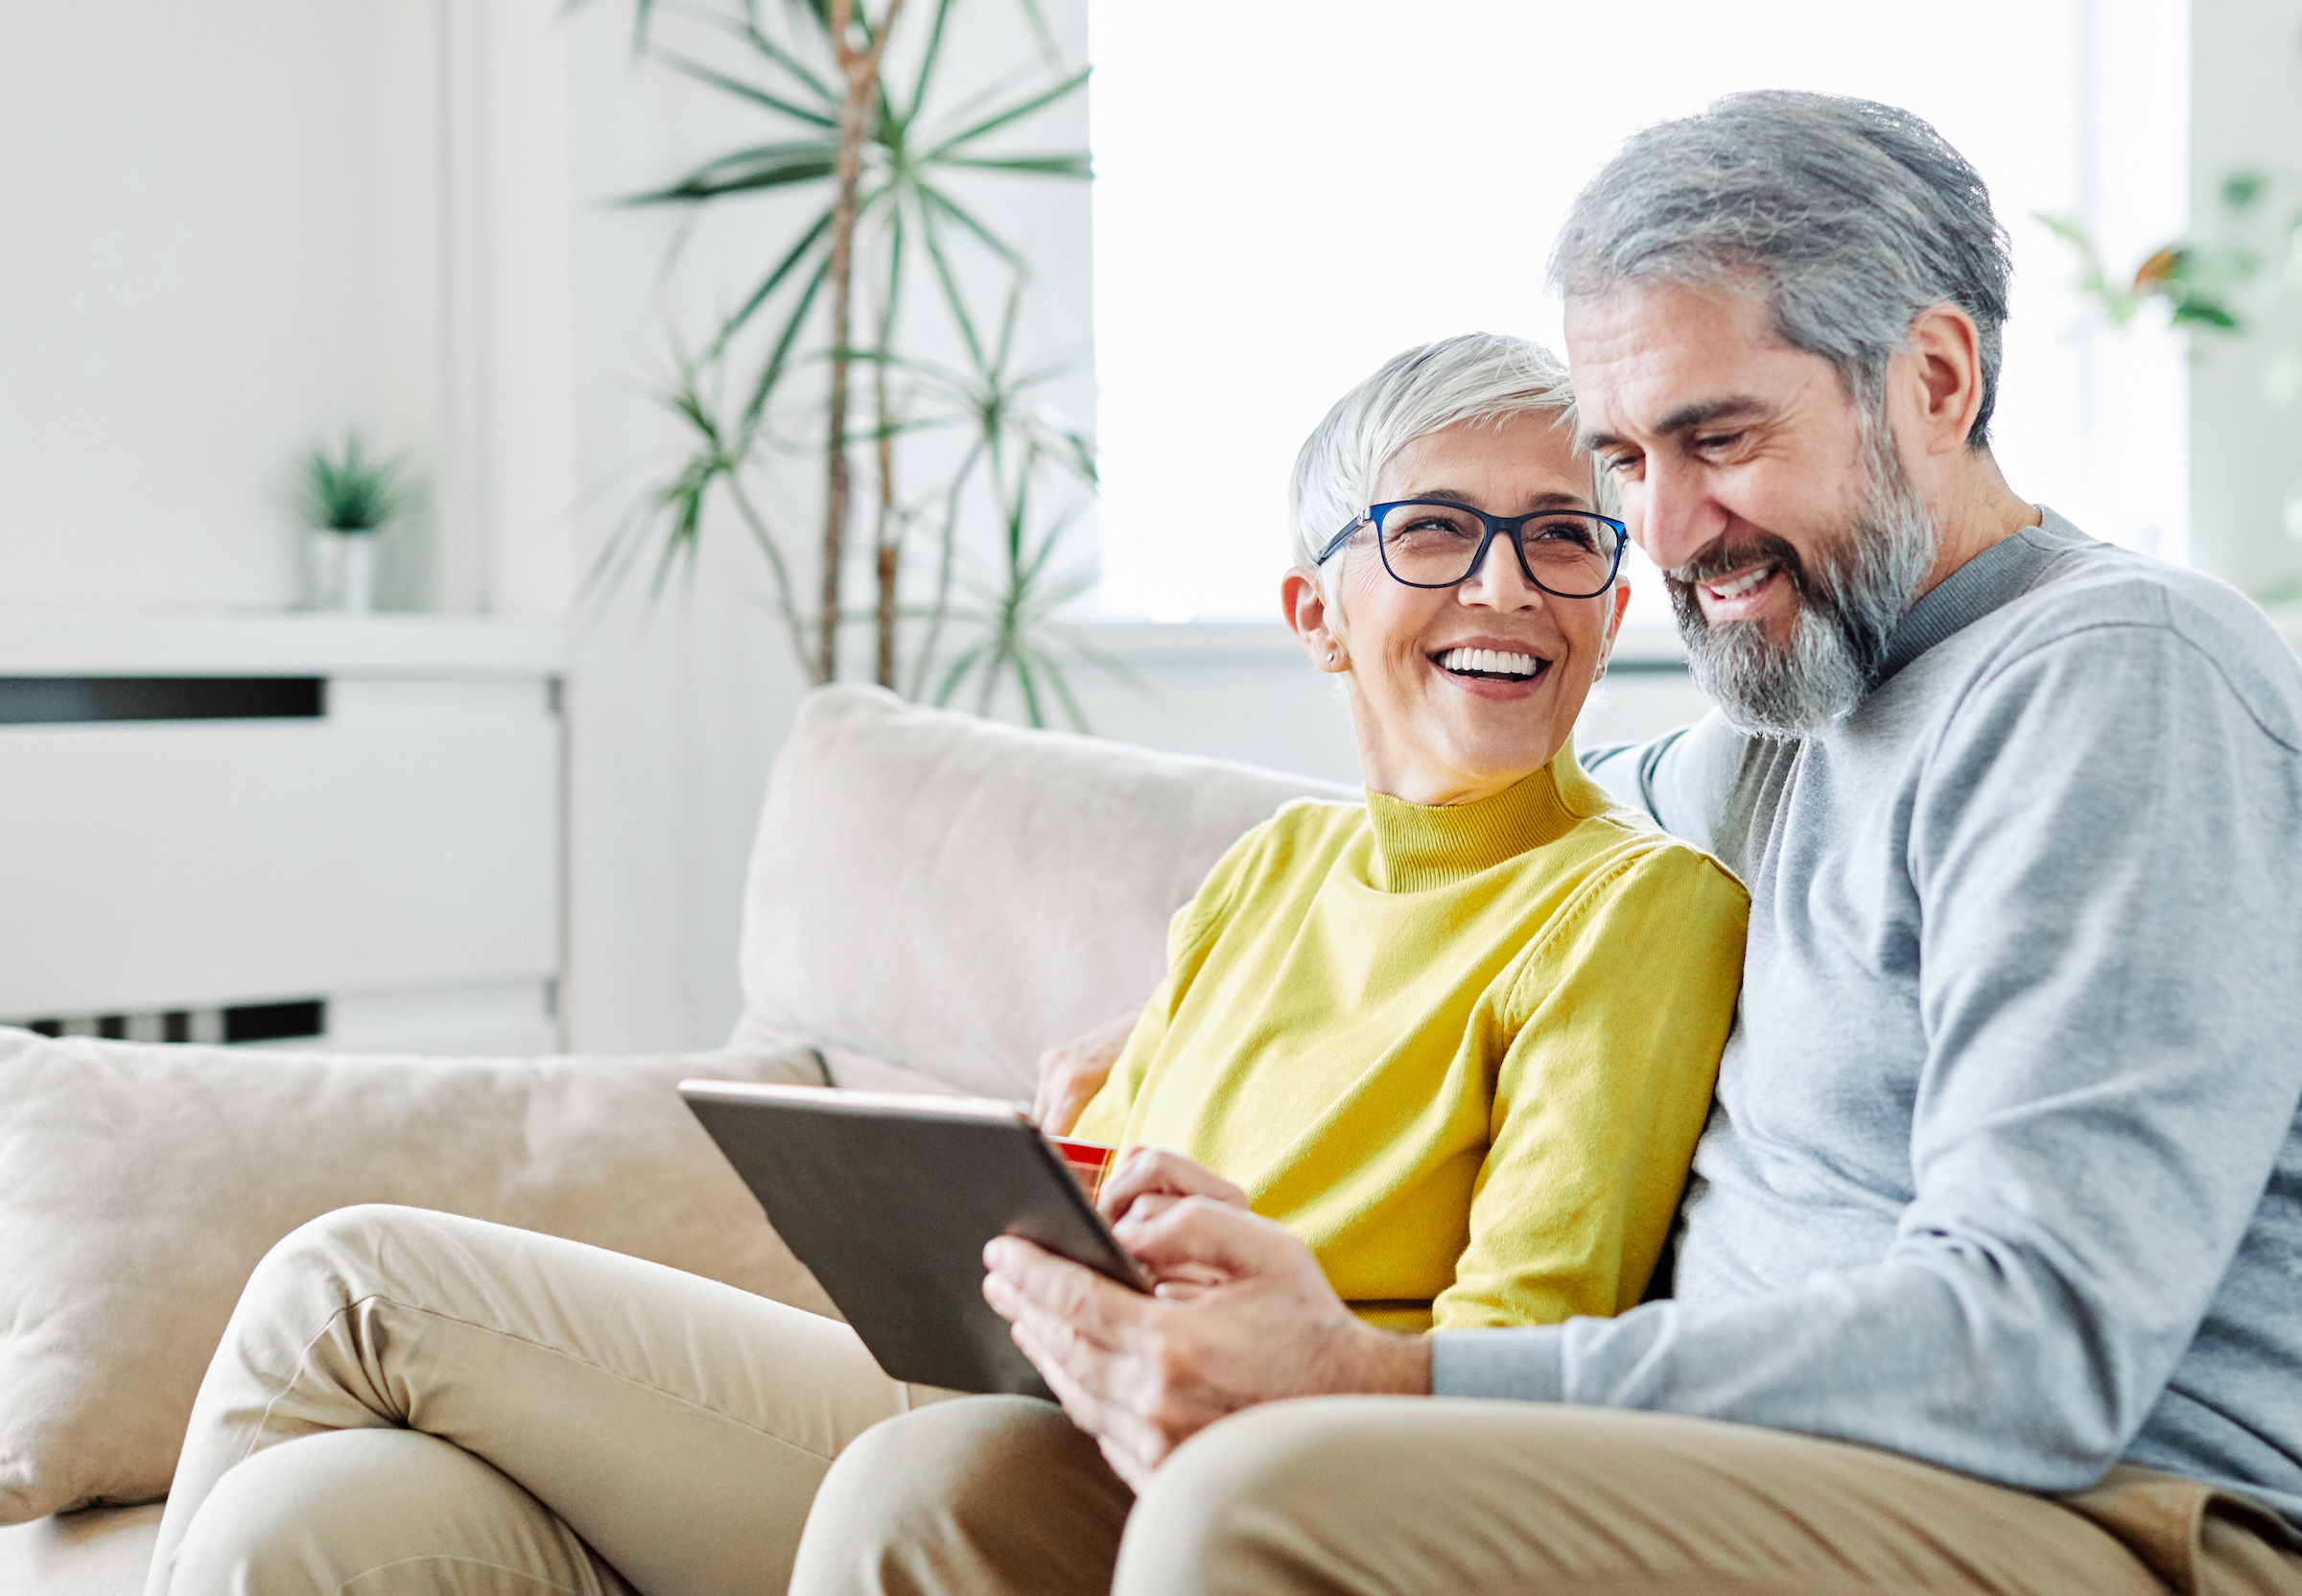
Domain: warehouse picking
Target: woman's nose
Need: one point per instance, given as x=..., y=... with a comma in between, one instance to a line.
x=1498, y=583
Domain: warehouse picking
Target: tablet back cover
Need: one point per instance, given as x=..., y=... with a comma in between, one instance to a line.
x=891, y=1210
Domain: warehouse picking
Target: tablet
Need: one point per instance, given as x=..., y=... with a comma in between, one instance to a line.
x=889, y=1199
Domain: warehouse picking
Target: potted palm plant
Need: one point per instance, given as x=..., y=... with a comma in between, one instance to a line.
x=884, y=270
x=346, y=497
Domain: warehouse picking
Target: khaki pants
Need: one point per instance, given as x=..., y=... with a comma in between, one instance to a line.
x=1402, y=1496
x=407, y=1401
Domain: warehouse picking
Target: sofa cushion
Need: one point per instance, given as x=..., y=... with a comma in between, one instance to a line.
x=102, y=1552
x=139, y=1186
x=937, y=897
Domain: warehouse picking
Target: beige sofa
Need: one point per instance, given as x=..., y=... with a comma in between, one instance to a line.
x=931, y=901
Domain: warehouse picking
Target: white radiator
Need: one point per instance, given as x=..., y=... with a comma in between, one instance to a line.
x=319, y=830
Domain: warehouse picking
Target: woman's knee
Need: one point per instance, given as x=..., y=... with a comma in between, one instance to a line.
x=349, y=1252
x=377, y=1511
x=346, y=1240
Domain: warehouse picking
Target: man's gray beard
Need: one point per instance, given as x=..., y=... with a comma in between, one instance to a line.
x=1848, y=605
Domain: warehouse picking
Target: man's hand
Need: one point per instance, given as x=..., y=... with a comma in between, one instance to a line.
x=1143, y=1374
x=1072, y=1071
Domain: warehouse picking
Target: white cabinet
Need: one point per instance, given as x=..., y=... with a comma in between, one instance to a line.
x=281, y=821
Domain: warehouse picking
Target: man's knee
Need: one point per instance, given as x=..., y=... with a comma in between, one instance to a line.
x=986, y=1492
x=1218, y=1513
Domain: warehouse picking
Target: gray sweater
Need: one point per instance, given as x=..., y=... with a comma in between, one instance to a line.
x=2005, y=1171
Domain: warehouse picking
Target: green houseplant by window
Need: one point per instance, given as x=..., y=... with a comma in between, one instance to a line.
x=876, y=288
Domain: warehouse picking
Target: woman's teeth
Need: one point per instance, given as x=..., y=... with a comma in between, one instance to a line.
x=1742, y=584
x=1493, y=662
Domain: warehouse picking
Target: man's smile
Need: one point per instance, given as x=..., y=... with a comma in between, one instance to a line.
x=1739, y=595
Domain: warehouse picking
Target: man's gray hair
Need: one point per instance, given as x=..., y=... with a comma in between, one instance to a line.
x=1475, y=377
x=1849, y=218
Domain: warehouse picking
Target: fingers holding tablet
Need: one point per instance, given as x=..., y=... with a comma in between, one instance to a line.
x=1142, y=1173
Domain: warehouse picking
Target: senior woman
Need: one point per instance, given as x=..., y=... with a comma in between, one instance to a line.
x=1462, y=1039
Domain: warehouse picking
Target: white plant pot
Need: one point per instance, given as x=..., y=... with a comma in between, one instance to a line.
x=339, y=570
x=356, y=586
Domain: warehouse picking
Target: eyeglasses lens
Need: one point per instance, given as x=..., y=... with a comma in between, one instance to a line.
x=1433, y=545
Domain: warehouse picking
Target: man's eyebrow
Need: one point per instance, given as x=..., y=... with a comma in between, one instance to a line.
x=1705, y=412
x=1701, y=413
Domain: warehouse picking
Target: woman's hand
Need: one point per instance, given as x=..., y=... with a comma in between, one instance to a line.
x=1071, y=1072
x=1146, y=1182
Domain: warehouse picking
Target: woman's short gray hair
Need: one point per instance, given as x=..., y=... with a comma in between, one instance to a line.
x=1852, y=218
x=1476, y=377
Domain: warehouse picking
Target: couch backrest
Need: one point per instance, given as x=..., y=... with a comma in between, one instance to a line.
x=933, y=899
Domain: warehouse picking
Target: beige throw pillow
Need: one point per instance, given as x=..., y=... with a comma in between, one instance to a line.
x=140, y=1184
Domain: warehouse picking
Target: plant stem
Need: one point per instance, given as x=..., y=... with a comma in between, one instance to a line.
x=887, y=535
x=861, y=68
x=785, y=605
x=941, y=610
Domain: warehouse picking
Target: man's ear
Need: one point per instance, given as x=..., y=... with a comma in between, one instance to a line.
x=1311, y=619
x=1944, y=377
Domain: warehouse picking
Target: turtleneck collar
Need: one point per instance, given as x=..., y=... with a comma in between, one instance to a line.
x=1418, y=846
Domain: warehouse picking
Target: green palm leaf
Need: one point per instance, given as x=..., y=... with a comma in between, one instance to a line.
x=752, y=92
x=769, y=165
x=1012, y=114
x=775, y=279
x=1049, y=166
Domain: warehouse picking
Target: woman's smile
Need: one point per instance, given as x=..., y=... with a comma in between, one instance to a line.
x=1493, y=668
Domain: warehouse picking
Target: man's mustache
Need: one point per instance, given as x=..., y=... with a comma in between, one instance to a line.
x=1724, y=556
x=1739, y=553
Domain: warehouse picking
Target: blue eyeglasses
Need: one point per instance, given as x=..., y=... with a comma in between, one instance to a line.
x=1434, y=542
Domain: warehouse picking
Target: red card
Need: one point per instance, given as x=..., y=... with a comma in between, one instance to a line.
x=1089, y=1161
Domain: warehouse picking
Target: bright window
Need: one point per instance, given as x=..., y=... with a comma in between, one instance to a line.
x=1290, y=191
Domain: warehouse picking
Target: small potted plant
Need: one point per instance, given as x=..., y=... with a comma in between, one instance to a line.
x=345, y=497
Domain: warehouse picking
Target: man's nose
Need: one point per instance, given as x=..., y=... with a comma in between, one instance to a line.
x=1672, y=514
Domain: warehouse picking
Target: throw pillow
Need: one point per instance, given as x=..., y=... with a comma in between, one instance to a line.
x=139, y=1186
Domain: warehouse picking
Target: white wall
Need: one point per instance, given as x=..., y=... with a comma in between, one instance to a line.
x=237, y=229
x=189, y=290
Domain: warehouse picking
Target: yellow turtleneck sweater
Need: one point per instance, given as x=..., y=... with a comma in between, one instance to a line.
x=1464, y=1052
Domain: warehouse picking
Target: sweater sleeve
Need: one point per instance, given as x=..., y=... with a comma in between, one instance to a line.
x=1601, y=1095
x=1678, y=780
x=2107, y=847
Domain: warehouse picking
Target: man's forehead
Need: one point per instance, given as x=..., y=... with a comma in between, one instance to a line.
x=1660, y=359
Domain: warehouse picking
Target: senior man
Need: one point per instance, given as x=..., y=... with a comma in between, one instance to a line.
x=1990, y=1273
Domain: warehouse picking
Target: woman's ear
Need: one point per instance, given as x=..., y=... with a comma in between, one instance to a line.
x=1619, y=602
x=1311, y=619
